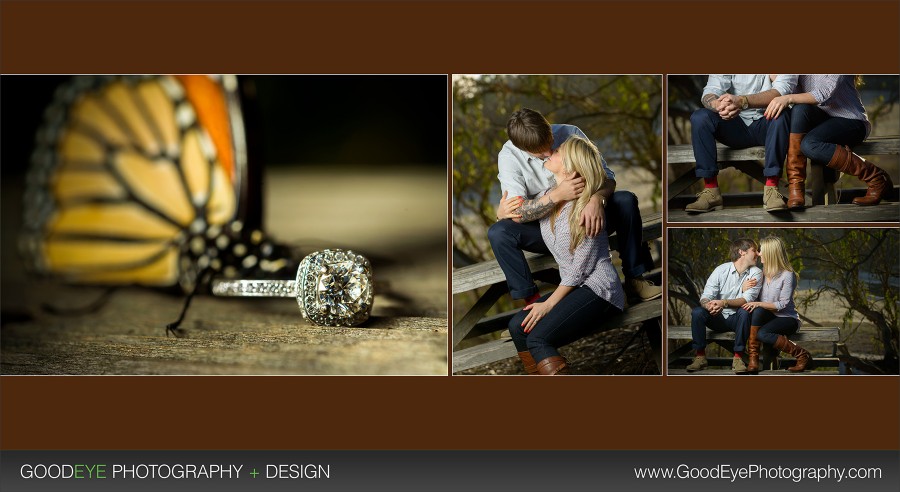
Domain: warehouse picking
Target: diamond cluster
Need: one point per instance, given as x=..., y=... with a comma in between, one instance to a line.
x=335, y=288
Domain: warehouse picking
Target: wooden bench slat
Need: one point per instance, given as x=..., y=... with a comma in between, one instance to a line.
x=681, y=154
x=885, y=212
x=495, y=350
x=806, y=334
x=488, y=272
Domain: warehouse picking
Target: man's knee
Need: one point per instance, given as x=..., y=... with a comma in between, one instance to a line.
x=500, y=232
x=704, y=118
x=699, y=312
x=742, y=315
x=625, y=200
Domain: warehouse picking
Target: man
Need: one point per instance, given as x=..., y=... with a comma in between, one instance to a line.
x=733, y=113
x=522, y=176
x=720, y=304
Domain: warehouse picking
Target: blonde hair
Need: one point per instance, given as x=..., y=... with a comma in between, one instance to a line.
x=580, y=156
x=774, y=255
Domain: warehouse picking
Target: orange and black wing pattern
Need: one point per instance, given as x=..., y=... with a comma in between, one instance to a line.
x=127, y=171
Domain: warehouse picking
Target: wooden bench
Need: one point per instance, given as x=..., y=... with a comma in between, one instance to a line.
x=543, y=267
x=748, y=161
x=769, y=356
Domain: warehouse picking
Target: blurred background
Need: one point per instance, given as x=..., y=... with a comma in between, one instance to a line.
x=621, y=114
x=880, y=95
x=346, y=162
x=849, y=278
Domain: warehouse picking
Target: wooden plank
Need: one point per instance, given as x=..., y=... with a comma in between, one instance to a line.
x=885, y=212
x=784, y=363
x=487, y=300
x=727, y=372
x=754, y=169
x=815, y=334
x=754, y=198
x=488, y=272
x=679, y=154
x=495, y=350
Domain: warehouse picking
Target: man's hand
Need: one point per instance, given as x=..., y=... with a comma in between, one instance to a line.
x=593, y=217
x=508, y=208
x=776, y=106
x=569, y=189
x=715, y=307
x=729, y=106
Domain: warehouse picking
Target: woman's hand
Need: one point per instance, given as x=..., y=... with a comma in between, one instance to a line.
x=750, y=306
x=776, y=106
x=507, y=208
x=748, y=284
x=536, y=312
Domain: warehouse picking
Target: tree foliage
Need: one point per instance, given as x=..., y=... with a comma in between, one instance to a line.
x=621, y=114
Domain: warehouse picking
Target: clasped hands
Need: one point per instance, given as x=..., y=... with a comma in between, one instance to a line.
x=727, y=105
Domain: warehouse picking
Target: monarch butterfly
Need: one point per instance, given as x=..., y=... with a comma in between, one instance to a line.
x=144, y=180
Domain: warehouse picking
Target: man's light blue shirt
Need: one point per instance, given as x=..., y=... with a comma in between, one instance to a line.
x=749, y=84
x=725, y=283
x=524, y=175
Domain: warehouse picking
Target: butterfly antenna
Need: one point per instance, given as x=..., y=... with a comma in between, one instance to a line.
x=174, y=327
x=80, y=311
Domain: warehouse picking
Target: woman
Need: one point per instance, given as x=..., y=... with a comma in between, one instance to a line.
x=589, y=289
x=827, y=118
x=773, y=318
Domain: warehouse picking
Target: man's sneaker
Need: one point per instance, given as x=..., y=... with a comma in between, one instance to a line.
x=698, y=364
x=773, y=201
x=738, y=366
x=707, y=200
x=640, y=290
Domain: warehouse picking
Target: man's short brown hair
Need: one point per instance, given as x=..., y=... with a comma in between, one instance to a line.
x=529, y=131
x=742, y=244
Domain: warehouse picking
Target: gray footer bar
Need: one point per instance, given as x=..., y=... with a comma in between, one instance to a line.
x=417, y=471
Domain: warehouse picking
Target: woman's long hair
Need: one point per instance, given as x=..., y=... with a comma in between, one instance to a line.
x=581, y=156
x=775, y=258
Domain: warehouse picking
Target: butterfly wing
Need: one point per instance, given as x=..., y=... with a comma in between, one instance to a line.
x=125, y=170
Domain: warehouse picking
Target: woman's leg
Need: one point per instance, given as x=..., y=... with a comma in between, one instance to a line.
x=804, y=117
x=574, y=317
x=827, y=145
x=776, y=332
x=519, y=338
x=758, y=318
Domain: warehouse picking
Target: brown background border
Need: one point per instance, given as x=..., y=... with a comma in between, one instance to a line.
x=443, y=412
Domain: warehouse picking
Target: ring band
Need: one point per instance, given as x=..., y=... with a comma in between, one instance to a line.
x=334, y=287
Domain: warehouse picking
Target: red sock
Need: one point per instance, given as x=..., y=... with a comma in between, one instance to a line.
x=532, y=299
x=701, y=353
x=772, y=181
x=738, y=354
x=712, y=182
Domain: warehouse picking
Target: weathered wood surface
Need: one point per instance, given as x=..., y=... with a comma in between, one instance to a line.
x=488, y=272
x=402, y=229
x=806, y=334
x=884, y=212
x=755, y=198
x=679, y=154
x=495, y=350
x=719, y=371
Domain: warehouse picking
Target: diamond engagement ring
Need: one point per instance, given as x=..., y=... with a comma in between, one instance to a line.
x=333, y=288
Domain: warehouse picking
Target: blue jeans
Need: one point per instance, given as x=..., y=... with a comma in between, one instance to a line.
x=739, y=323
x=707, y=127
x=509, y=239
x=770, y=326
x=823, y=134
x=575, y=316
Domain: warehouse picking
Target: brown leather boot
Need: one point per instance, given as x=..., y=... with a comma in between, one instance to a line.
x=551, y=366
x=796, y=173
x=803, y=357
x=529, y=363
x=878, y=181
x=753, y=351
